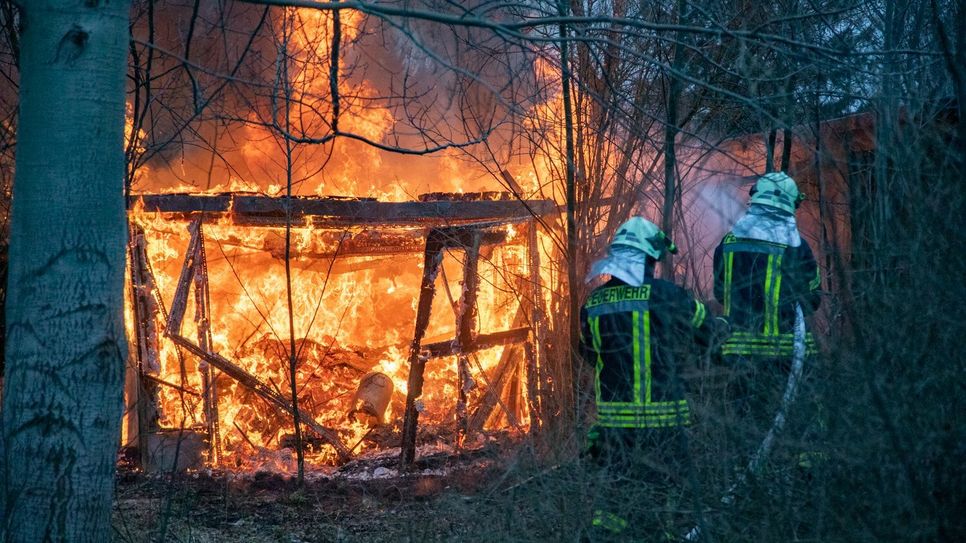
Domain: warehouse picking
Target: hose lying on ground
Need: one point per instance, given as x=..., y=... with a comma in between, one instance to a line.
x=767, y=444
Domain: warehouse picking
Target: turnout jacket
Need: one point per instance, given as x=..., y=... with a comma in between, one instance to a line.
x=637, y=338
x=759, y=283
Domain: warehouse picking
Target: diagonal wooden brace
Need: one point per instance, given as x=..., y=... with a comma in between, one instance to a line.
x=173, y=331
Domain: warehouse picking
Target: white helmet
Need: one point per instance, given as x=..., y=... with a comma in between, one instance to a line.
x=778, y=190
x=644, y=235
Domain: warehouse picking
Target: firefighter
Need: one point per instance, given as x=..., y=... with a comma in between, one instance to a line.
x=637, y=332
x=763, y=268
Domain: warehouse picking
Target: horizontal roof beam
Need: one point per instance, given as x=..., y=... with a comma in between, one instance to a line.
x=322, y=211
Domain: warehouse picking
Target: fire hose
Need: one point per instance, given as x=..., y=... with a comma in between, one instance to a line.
x=778, y=424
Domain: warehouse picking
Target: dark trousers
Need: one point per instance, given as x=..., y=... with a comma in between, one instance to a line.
x=641, y=474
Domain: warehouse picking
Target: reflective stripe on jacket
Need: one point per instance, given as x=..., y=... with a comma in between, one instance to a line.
x=759, y=283
x=636, y=337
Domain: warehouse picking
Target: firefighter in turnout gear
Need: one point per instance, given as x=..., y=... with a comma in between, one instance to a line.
x=762, y=270
x=638, y=332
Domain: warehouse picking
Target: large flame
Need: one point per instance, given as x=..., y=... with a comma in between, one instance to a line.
x=351, y=316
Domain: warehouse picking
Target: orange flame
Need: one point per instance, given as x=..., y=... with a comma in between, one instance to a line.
x=351, y=315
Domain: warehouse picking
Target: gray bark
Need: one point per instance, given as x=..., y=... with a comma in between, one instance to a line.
x=65, y=331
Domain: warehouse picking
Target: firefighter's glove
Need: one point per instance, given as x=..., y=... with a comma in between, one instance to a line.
x=592, y=446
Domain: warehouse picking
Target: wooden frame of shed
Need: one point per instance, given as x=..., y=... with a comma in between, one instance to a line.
x=464, y=222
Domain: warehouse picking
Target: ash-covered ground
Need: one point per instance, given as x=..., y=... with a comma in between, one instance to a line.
x=446, y=496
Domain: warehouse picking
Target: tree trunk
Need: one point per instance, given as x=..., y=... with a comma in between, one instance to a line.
x=573, y=288
x=770, y=141
x=66, y=347
x=787, y=136
x=671, y=128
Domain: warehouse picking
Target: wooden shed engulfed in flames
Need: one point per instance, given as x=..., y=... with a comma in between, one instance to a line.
x=381, y=360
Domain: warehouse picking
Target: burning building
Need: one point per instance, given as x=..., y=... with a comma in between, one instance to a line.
x=381, y=358
x=404, y=313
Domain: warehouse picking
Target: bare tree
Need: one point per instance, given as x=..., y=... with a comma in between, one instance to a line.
x=65, y=332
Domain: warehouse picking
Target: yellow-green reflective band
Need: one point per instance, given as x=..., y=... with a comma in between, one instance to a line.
x=817, y=282
x=729, y=261
x=652, y=421
x=762, y=351
x=656, y=408
x=778, y=339
x=636, y=324
x=699, y=314
x=781, y=339
x=609, y=521
x=765, y=344
x=647, y=360
x=776, y=293
x=768, y=288
x=781, y=349
x=609, y=420
x=656, y=415
x=671, y=413
x=785, y=348
x=599, y=366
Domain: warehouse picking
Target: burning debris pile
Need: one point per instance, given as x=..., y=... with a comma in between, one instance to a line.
x=381, y=361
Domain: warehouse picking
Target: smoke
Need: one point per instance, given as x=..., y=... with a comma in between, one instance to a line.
x=216, y=121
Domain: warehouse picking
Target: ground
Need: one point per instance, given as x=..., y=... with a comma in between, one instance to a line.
x=445, y=497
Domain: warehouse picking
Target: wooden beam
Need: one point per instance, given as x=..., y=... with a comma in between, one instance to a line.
x=498, y=380
x=465, y=324
x=535, y=358
x=378, y=243
x=147, y=397
x=323, y=212
x=483, y=341
x=252, y=383
x=433, y=258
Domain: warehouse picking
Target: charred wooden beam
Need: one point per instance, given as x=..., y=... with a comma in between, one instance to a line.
x=466, y=196
x=471, y=235
x=179, y=388
x=533, y=401
x=381, y=243
x=180, y=302
x=145, y=307
x=209, y=385
x=501, y=375
x=466, y=319
x=266, y=392
x=512, y=393
x=534, y=350
x=465, y=323
x=480, y=342
x=329, y=212
x=340, y=244
x=433, y=258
